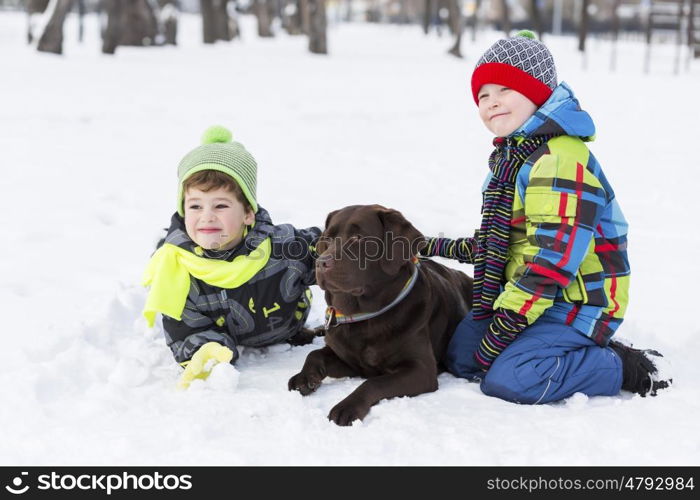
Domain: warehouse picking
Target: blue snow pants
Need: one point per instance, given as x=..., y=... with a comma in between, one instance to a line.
x=548, y=361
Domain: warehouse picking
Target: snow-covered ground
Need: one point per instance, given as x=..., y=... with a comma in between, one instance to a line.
x=90, y=146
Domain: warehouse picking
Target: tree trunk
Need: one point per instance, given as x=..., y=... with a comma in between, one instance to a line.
x=52, y=38
x=129, y=22
x=224, y=23
x=456, y=21
x=505, y=17
x=264, y=10
x=583, y=26
x=475, y=19
x=373, y=13
x=208, y=24
x=404, y=14
x=348, y=11
x=37, y=6
x=305, y=16
x=34, y=7
x=112, y=33
x=693, y=41
x=81, y=20
x=317, y=27
x=168, y=20
x=429, y=7
x=216, y=22
x=291, y=19
x=139, y=24
x=536, y=18
x=615, y=34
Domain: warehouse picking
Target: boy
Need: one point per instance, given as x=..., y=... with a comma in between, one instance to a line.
x=224, y=275
x=551, y=274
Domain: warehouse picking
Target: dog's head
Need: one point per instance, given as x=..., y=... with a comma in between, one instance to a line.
x=363, y=246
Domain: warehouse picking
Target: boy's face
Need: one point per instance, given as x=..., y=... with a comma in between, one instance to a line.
x=215, y=220
x=503, y=110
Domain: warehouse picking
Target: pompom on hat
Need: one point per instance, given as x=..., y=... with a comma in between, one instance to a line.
x=521, y=63
x=220, y=152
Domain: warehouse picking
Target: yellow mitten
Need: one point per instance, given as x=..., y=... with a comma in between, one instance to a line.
x=203, y=361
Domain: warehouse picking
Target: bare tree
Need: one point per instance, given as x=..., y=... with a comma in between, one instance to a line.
x=265, y=12
x=474, y=20
x=536, y=18
x=304, y=16
x=373, y=14
x=140, y=26
x=456, y=23
x=291, y=17
x=112, y=31
x=129, y=22
x=505, y=17
x=693, y=38
x=317, y=27
x=216, y=22
x=168, y=20
x=615, y=34
x=52, y=38
x=428, y=13
x=34, y=7
x=583, y=26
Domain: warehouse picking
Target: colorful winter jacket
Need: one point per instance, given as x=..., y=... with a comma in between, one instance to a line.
x=567, y=257
x=269, y=306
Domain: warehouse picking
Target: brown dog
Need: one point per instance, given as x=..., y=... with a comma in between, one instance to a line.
x=367, y=265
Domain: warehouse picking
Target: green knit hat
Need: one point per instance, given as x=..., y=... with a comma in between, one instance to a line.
x=219, y=152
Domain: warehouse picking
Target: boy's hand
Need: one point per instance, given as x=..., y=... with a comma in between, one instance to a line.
x=503, y=330
x=203, y=361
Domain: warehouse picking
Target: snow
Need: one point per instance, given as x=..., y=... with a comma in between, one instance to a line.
x=90, y=144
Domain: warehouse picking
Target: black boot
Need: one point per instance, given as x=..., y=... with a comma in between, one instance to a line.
x=640, y=371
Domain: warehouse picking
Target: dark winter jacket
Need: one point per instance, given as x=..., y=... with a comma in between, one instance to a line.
x=270, y=307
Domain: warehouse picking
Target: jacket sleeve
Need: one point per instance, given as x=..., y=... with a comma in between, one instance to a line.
x=563, y=202
x=463, y=250
x=192, y=332
x=308, y=238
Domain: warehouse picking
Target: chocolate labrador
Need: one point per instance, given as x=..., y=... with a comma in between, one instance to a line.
x=390, y=315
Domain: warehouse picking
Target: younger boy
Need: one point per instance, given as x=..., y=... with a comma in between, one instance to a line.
x=225, y=276
x=551, y=275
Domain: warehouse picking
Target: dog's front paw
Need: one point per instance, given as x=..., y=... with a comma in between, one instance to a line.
x=347, y=411
x=305, y=383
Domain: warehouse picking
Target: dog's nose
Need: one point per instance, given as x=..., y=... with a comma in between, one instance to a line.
x=324, y=263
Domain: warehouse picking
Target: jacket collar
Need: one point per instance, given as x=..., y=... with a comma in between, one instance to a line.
x=561, y=114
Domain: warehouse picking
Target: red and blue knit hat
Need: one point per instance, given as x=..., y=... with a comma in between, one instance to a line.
x=521, y=63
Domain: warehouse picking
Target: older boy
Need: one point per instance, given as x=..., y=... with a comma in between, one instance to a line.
x=551, y=274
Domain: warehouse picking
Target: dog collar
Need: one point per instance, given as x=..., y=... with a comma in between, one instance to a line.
x=335, y=317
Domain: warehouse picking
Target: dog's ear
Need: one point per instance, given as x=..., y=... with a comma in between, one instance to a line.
x=402, y=241
x=328, y=219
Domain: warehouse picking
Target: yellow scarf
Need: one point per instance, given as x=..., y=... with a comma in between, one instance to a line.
x=168, y=273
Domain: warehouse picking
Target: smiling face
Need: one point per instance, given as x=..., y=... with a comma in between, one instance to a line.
x=215, y=219
x=503, y=110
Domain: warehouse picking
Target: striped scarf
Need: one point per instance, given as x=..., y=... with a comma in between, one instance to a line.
x=496, y=214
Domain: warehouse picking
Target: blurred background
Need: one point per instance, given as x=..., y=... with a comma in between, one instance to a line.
x=341, y=103
x=155, y=22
